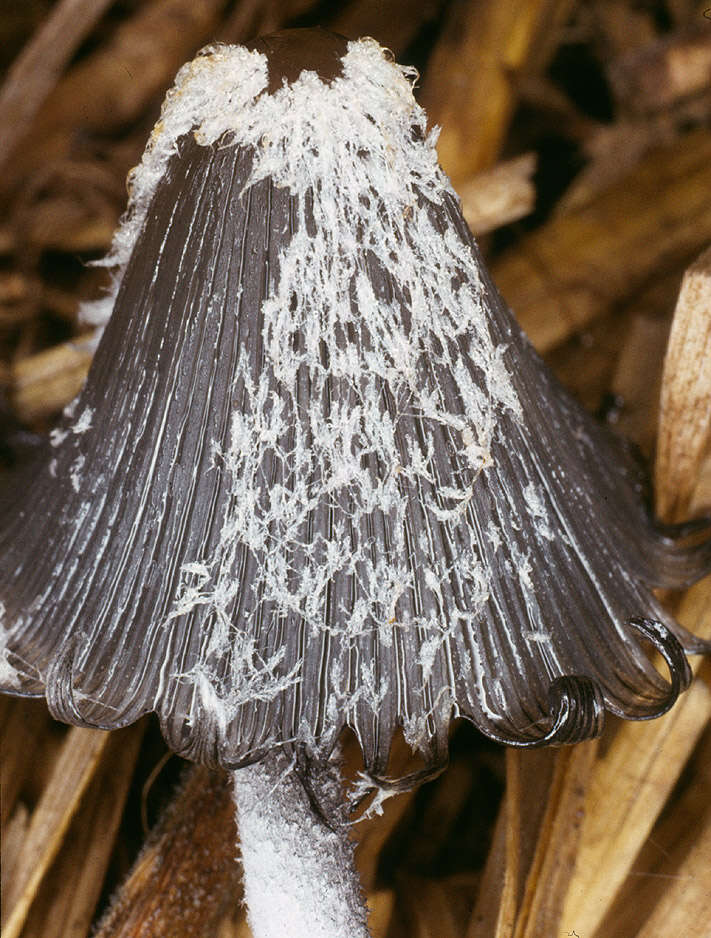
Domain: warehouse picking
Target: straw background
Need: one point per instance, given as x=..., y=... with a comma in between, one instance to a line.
x=579, y=137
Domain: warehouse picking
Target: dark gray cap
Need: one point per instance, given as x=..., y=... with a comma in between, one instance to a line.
x=317, y=475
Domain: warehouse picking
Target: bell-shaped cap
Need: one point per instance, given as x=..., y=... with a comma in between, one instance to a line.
x=317, y=476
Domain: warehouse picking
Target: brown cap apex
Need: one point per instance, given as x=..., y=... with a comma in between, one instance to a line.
x=292, y=51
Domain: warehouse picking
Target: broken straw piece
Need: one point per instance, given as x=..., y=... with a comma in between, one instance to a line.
x=685, y=412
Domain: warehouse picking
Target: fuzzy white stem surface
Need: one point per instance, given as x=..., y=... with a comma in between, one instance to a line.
x=299, y=877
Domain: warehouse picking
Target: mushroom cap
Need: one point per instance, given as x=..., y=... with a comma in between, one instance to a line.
x=317, y=475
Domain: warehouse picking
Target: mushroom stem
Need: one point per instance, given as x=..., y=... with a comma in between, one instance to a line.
x=299, y=876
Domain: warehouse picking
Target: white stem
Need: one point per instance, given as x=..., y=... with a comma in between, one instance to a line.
x=299, y=877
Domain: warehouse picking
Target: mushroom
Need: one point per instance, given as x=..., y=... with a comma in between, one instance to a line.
x=318, y=477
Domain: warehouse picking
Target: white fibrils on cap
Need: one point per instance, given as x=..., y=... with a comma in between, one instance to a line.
x=317, y=475
x=8, y=676
x=324, y=323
